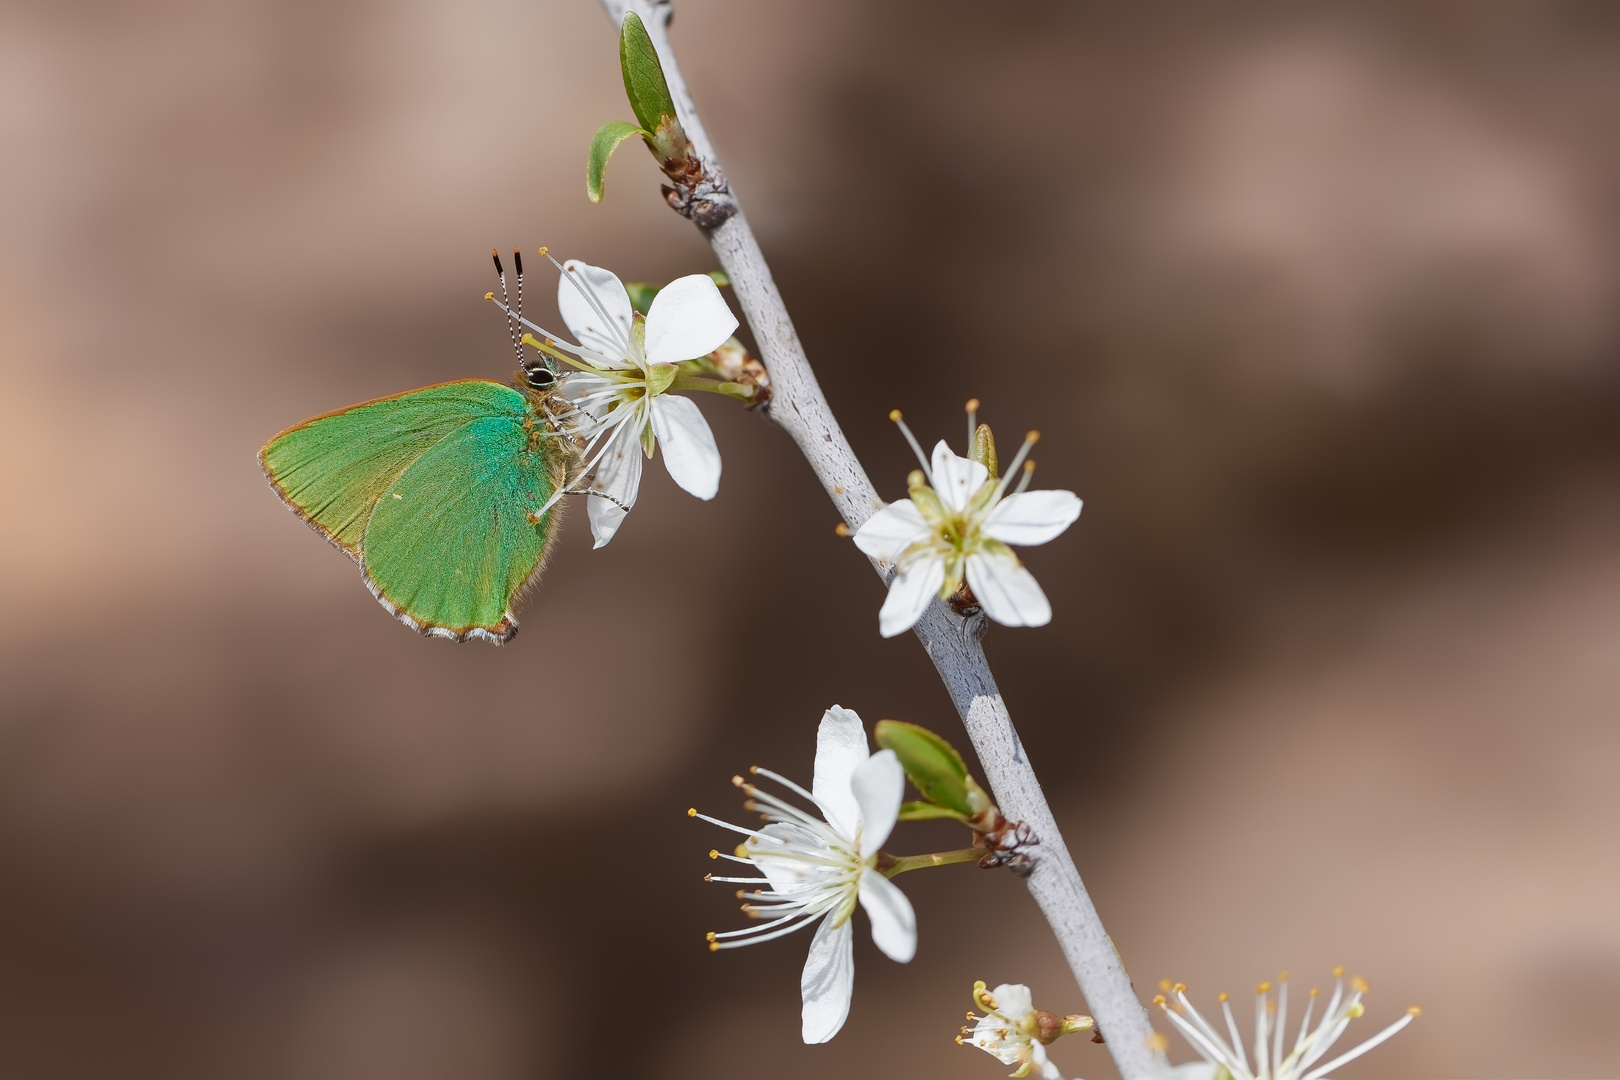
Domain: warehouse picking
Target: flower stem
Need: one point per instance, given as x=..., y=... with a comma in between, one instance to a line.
x=740, y=391
x=890, y=865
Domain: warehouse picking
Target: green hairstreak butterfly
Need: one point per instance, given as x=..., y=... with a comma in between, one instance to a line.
x=446, y=496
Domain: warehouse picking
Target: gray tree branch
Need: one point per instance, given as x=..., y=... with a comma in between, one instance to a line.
x=798, y=407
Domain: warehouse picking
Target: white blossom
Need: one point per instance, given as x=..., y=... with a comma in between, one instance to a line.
x=957, y=526
x=1010, y=1030
x=1275, y=1058
x=625, y=364
x=818, y=869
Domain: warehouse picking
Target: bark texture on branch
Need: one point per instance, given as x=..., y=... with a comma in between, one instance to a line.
x=800, y=409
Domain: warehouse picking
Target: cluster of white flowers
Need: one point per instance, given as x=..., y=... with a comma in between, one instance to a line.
x=956, y=529
x=820, y=868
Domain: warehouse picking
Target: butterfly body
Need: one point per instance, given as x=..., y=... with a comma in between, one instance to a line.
x=438, y=494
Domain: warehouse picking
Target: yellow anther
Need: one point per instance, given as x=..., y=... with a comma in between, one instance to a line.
x=753, y=770
x=841, y=529
x=1314, y=991
x=1029, y=466
x=1338, y=971
x=1222, y=997
x=741, y=893
x=714, y=946
x=894, y=414
x=1160, y=1000
x=708, y=877
x=1164, y=984
x=489, y=296
x=709, y=936
x=542, y=251
x=736, y=781
x=1282, y=976
x=972, y=405
x=1032, y=436
x=1158, y=1043
x=959, y=1040
x=714, y=854
x=1180, y=988
x=1356, y=1011
x=691, y=811
x=972, y=1016
x=1359, y=984
x=1415, y=1010
x=1263, y=988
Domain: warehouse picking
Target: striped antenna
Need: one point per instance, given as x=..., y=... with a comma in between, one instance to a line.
x=512, y=324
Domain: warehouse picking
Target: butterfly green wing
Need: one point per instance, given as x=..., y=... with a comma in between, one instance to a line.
x=431, y=491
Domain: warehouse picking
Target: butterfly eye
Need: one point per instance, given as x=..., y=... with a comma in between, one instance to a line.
x=541, y=378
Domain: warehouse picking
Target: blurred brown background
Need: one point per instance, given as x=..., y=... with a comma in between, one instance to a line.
x=1314, y=303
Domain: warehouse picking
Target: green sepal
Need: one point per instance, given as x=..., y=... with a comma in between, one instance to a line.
x=720, y=278
x=607, y=139
x=933, y=766
x=659, y=376
x=644, y=81
x=927, y=811
x=983, y=450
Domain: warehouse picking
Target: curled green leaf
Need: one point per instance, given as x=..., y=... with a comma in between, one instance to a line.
x=644, y=82
x=933, y=766
x=608, y=137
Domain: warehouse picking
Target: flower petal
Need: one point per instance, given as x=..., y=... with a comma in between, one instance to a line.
x=1033, y=517
x=1007, y=590
x=1049, y=1071
x=909, y=594
x=828, y=979
x=891, y=530
x=956, y=478
x=878, y=783
x=840, y=750
x=687, y=319
x=607, y=336
x=894, y=923
x=618, y=474
x=690, y=455
x=1013, y=1000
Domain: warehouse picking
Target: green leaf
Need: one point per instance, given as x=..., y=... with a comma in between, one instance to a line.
x=644, y=81
x=608, y=137
x=932, y=764
x=721, y=278
x=926, y=811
